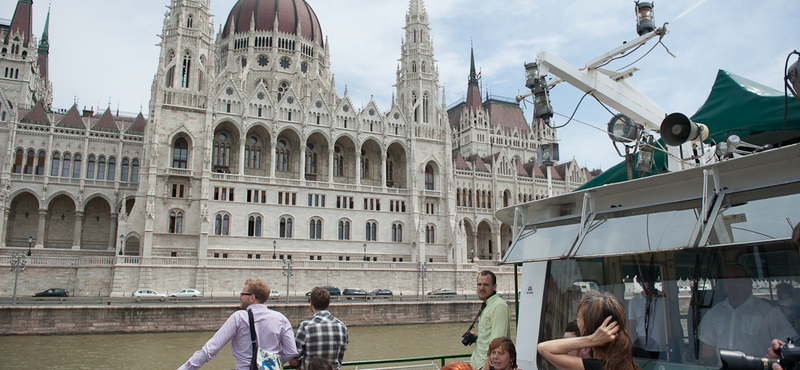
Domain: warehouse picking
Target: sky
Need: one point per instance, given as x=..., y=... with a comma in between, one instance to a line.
x=104, y=53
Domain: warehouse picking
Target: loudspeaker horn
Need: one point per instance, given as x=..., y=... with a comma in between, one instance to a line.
x=677, y=129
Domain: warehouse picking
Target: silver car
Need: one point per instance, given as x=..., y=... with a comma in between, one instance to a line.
x=187, y=293
x=148, y=293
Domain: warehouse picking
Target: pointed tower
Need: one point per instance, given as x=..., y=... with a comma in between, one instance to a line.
x=180, y=117
x=470, y=120
x=418, y=80
x=43, y=62
x=22, y=83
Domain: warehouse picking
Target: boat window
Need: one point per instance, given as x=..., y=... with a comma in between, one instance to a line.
x=687, y=287
x=750, y=216
x=668, y=226
x=545, y=241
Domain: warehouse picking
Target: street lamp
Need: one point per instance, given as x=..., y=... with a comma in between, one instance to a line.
x=422, y=270
x=17, y=264
x=274, y=245
x=30, y=241
x=287, y=271
x=121, y=243
x=365, y=251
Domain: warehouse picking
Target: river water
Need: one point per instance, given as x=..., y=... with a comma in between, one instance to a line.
x=170, y=350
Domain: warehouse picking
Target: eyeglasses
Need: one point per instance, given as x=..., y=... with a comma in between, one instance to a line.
x=244, y=294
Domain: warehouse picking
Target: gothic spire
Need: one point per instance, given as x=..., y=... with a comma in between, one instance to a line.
x=44, y=50
x=22, y=22
x=473, y=90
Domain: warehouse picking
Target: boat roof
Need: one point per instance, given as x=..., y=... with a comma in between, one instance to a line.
x=661, y=212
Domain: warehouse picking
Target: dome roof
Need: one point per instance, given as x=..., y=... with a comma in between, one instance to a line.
x=290, y=13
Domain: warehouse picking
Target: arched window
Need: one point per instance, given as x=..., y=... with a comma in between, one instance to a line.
x=371, y=231
x=90, y=168
x=125, y=167
x=458, y=197
x=76, y=168
x=428, y=177
x=282, y=156
x=18, y=161
x=315, y=229
x=169, y=77
x=414, y=104
x=397, y=233
x=489, y=200
x=29, y=162
x=311, y=159
x=252, y=153
x=187, y=65
x=338, y=162
x=135, y=171
x=422, y=66
x=285, y=230
x=429, y=234
x=180, y=153
x=505, y=198
x=483, y=199
x=425, y=108
x=40, y=163
x=65, y=168
x=176, y=222
x=364, y=166
x=414, y=66
x=344, y=230
x=56, y=164
x=221, y=224
x=189, y=21
x=390, y=171
x=254, y=226
x=112, y=164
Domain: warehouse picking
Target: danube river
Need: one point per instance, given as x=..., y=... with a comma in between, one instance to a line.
x=170, y=350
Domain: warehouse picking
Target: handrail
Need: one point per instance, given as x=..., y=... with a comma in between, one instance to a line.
x=407, y=359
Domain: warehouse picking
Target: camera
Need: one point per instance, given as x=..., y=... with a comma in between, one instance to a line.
x=737, y=360
x=468, y=338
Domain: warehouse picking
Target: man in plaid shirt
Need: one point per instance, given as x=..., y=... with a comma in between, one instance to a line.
x=322, y=335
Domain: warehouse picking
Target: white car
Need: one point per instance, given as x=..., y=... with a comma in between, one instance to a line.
x=187, y=293
x=148, y=293
x=685, y=289
x=274, y=294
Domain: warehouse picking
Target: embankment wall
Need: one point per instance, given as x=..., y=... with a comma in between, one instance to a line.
x=47, y=320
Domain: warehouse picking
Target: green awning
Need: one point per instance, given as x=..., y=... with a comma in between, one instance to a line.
x=735, y=106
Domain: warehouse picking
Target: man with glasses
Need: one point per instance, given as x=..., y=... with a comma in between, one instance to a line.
x=274, y=331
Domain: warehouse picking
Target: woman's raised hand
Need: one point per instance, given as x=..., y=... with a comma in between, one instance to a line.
x=606, y=333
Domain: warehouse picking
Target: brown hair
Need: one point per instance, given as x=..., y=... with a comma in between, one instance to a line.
x=489, y=273
x=507, y=345
x=258, y=288
x=320, y=298
x=457, y=365
x=572, y=327
x=594, y=308
x=319, y=363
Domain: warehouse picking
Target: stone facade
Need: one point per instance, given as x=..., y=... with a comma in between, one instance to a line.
x=247, y=153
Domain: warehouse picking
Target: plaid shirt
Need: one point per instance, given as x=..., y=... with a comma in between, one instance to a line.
x=321, y=336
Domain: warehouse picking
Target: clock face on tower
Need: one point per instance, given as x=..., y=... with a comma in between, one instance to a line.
x=263, y=60
x=285, y=63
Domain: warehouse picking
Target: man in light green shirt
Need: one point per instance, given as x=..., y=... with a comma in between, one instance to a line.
x=494, y=321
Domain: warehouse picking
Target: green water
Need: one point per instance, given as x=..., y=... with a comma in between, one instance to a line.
x=170, y=350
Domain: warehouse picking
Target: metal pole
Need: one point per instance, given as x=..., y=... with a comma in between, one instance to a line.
x=17, y=264
x=287, y=270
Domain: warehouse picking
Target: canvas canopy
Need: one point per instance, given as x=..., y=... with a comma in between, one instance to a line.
x=735, y=106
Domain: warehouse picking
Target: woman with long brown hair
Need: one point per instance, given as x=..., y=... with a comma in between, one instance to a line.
x=601, y=319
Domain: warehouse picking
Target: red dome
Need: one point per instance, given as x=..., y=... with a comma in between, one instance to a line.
x=289, y=13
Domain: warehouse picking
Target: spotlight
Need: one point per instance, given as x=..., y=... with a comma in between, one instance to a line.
x=645, y=162
x=547, y=154
x=793, y=78
x=677, y=129
x=622, y=129
x=538, y=86
x=644, y=18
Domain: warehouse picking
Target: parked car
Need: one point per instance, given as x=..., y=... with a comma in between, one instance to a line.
x=148, y=293
x=685, y=289
x=352, y=293
x=274, y=294
x=381, y=293
x=187, y=293
x=442, y=291
x=53, y=292
x=334, y=291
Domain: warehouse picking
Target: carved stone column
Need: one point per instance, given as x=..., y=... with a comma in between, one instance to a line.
x=40, y=231
x=76, y=240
